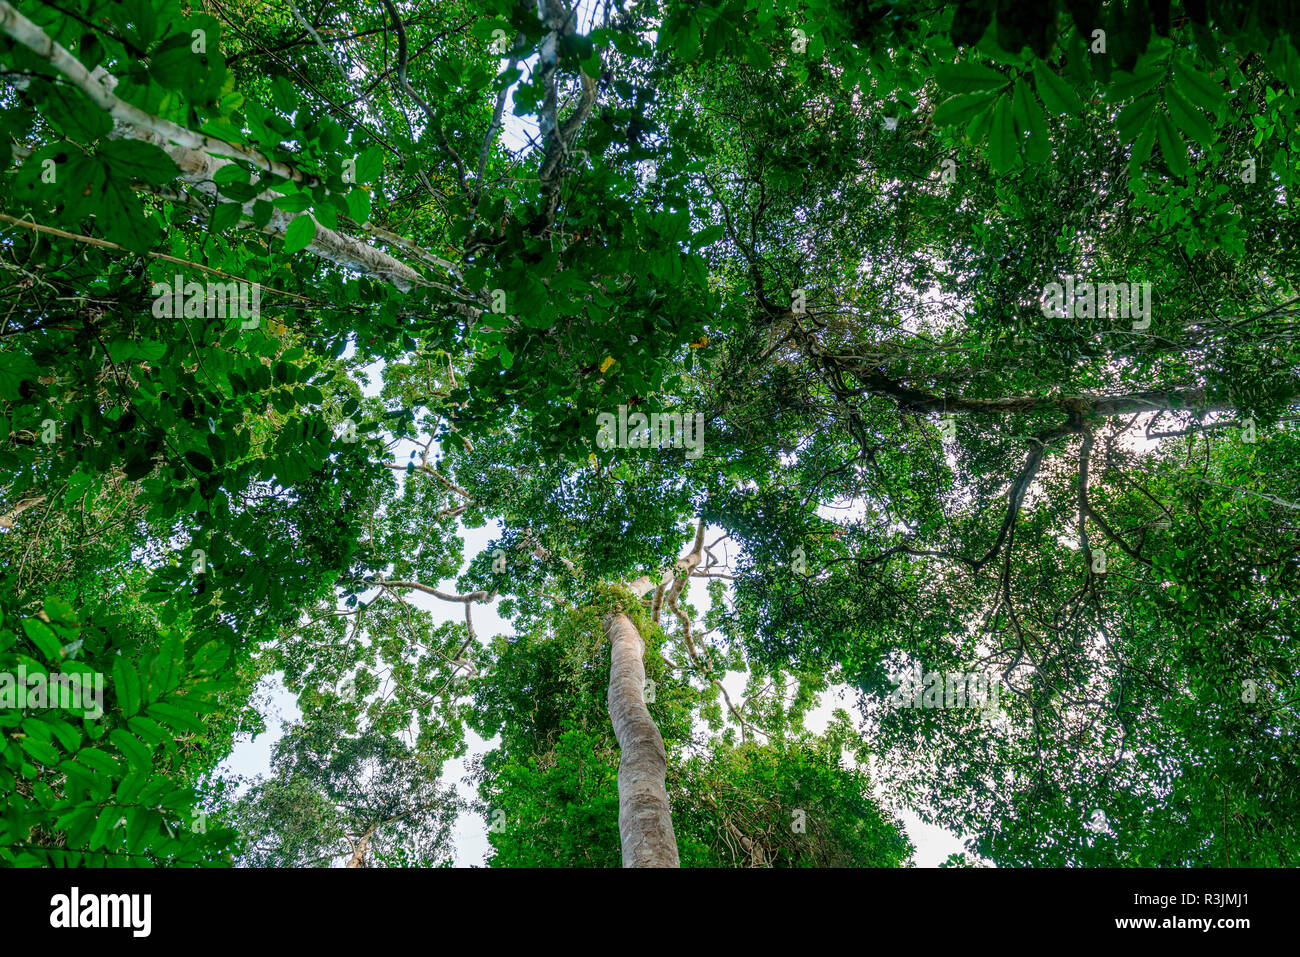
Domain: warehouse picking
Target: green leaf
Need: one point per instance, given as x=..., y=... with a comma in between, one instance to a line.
x=213, y=655
x=1142, y=149
x=293, y=203
x=687, y=45
x=133, y=748
x=708, y=235
x=68, y=820
x=1127, y=86
x=41, y=751
x=1057, y=95
x=176, y=717
x=67, y=735
x=1171, y=145
x=74, y=114
x=1029, y=120
x=108, y=819
x=15, y=368
x=1188, y=118
x=1133, y=117
x=1197, y=87
x=300, y=233
x=370, y=164
x=224, y=130
x=225, y=216
x=1002, y=138
x=232, y=174
x=139, y=160
x=98, y=760
x=284, y=95
x=132, y=785
x=359, y=205
x=165, y=672
x=959, y=109
x=969, y=78
x=126, y=682
x=38, y=729
x=327, y=215
x=977, y=130
x=43, y=638
x=200, y=461
x=148, y=729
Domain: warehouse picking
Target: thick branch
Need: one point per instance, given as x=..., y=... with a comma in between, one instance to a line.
x=199, y=156
x=35, y=39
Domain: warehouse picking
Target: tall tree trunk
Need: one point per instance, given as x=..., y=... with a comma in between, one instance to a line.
x=359, y=849
x=645, y=823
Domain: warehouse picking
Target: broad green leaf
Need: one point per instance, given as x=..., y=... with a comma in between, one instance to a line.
x=108, y=819
x=1172, y=146
x=293, y=203
x=214, y=654
x=74, y=114
x=969, y=78
x=15, y=369
x=1188, y=118
x=1199, y=88
x=1134, y=117
x=359, y=205
x=224, y=130
x=41, y=751
x=1127, y=86
x=132, y=747
x=301, y=231
x=126, y=682
x=977, y=130
x=961, y=108
x=370, y=164
x=1002, y=148
x=225, y=216
x=200, y=461
x=165, y=671
x=67, y=735
x=43, y=638
x=1056, y=93
x=148, y=729
x=284, y=95
x=132, y=784
x=175, y=716
x=139, y=160
x=97, y=760
x=1029, y=120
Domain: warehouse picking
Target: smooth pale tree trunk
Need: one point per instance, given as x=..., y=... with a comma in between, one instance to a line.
x=645, y=823
x=359, y=850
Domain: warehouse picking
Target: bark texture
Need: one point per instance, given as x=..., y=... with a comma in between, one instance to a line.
x=199, y=157
x=359, y=850
x=645, y=822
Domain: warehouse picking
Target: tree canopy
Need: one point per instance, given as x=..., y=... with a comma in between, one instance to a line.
x=925, y=340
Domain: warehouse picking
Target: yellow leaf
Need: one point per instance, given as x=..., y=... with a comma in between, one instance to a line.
x=604, y=366
x=700, y=343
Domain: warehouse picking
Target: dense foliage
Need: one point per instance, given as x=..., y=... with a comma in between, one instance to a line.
x=847, y=236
